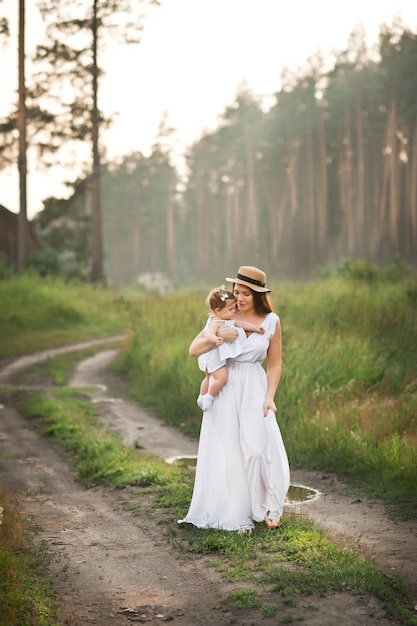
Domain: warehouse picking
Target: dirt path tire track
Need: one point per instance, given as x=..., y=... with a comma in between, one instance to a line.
x=106, y=559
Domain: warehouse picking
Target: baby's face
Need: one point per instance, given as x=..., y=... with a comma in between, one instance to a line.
x=229, y=310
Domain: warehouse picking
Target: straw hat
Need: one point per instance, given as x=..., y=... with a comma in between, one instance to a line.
x=251, y=277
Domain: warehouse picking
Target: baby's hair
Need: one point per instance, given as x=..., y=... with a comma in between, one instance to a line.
x=218, y=297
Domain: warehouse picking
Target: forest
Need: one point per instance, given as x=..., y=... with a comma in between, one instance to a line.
x=327, y=173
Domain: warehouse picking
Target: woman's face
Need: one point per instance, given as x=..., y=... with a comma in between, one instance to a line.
x=244, y=298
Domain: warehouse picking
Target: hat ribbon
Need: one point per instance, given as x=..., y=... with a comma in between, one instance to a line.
x=250, y=280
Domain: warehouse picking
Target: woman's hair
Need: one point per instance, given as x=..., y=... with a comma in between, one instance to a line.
x=261, y=301
x=218, y=297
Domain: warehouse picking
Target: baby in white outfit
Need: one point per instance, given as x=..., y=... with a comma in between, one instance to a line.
x=223, y=307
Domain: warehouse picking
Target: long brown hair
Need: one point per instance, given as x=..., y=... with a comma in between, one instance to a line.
x=262, y=303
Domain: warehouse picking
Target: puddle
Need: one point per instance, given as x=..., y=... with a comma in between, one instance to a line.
x=184, y=460
x=297, y=494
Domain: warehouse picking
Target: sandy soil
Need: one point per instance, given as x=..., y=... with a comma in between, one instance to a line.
x=115, y=568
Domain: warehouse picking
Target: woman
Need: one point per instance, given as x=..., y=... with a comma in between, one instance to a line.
x=242, y=473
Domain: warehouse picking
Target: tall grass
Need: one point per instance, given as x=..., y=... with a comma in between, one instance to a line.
x=38, y=313
x=98, y=455
x=347, y=403
x=26, y=593
x=347, y=399
x=155, y=363
x=280, y=566
x=348, y=395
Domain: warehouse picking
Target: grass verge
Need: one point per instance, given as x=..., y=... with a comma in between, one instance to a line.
x=36, y=313
x=27, y=597
x=347, y=399
x=296, y=561
x=347, y=404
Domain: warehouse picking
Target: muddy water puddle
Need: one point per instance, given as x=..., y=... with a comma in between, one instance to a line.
x=297, y=494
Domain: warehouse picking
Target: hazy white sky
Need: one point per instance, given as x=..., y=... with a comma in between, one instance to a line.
x=193, y=56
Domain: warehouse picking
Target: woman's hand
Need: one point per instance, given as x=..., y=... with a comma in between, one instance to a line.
x=201, y=344
x=228, y=334
x=269, y=405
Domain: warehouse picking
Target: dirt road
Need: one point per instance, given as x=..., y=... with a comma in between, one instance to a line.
x=113, y=567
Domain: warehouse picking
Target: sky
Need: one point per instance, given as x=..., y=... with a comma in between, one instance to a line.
x=193, y=57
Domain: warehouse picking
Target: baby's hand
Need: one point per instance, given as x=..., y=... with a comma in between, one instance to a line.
x=261, y=330
x=219, y=341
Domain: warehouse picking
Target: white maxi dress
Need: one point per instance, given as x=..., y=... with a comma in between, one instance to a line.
x=242, y=469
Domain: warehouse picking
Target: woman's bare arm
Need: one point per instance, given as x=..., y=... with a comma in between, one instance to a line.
x=200, y=344
x=211, y=332
x=273, y=370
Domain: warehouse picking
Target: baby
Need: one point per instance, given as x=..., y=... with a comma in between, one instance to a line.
x=223, y=309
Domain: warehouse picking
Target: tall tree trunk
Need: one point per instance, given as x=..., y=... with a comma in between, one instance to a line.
x=22, y=221
x=237, y=216
x=375, y=174
x=277, y=213
x=97, y=270
x=322, y=191
x=394, y=184
x=293, y=146
x=276, y=199
x=251, y=225
x=413, y=194
x=172, y=257
x=360, y=209
x=388, y=203
x=229, y=223
x=154, y=255
x=203, y=226
x=348, y=181
x=310, y=235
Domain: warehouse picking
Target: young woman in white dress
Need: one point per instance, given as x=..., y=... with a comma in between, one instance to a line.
x=242, y=472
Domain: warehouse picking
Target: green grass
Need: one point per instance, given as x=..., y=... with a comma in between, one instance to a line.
x=98, y=455
x=348, y=395
x=300, y=561
x=295, y=561
x=36, y=313
x=27, y=597
x=346, y=404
